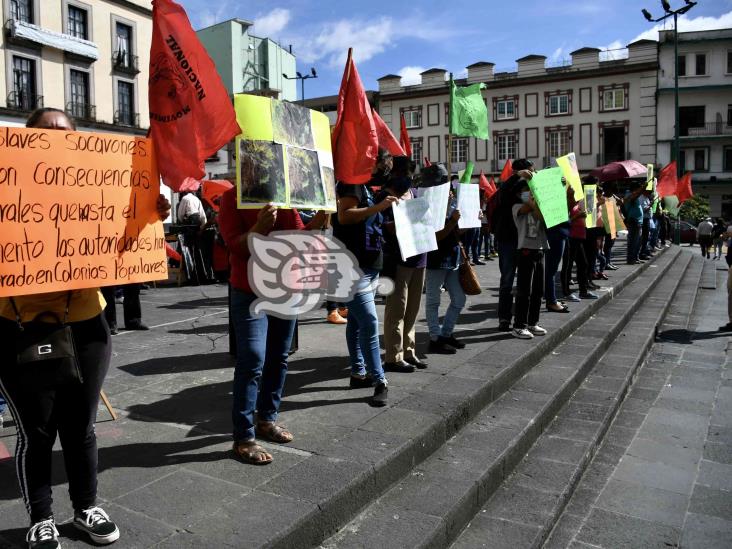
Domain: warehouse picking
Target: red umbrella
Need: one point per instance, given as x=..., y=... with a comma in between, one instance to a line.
x=213, y=190
x=623, y=169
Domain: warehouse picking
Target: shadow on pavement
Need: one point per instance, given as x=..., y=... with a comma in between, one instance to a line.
x=177, y=365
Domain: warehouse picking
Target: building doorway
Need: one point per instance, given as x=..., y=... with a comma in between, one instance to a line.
x=613, y=144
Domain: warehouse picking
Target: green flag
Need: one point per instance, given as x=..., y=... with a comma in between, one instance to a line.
x=467, y=173
x=468, y=112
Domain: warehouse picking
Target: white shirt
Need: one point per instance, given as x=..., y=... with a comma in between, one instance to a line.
x=189, y=205
x=705, y=228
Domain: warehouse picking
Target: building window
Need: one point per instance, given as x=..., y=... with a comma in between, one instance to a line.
x=559, y=104
x=558, y=143
x=506, y=110
x=682, y=65
x=77, y=23
x=701, y=64
x=459, y=149
x=413, y=118
x=123, y=46
x=729, y=62
x=728, y=159
x=613, y=100
x=22, y=10
x=695, y=160
x=24, y=96
x=79, y=91
x=126, y=115
x=729, y=115
x=506, y=147
x=416, y=150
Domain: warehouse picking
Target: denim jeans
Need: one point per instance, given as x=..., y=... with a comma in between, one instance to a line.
x=634, y=239
x=436, y=278
x=2, y=404
x=362, y=330
x=468, y=239
x=557, y=242
x=507, y=266
x=607, y=248
x=262, y=347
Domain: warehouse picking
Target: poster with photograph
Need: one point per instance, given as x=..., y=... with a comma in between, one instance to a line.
x=283, y=155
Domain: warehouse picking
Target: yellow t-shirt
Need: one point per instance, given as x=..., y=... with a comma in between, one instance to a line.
x=85, y=304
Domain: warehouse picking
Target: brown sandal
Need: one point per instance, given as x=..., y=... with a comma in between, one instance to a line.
x=252, y=453
x=269, y=430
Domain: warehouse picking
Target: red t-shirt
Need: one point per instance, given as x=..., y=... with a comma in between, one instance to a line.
x=234, y=222
x=578, y=227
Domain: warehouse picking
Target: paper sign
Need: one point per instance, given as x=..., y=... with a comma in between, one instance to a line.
x=468, y=202
x=77, y=210
x=283, y=155
x=590, y=205
x=568, y=164
x=649, y=177
x=437, y=197
x=413, y=223
x=608, y=217
x=550, y=196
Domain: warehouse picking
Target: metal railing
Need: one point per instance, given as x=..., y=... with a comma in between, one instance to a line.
x=22, y=101
x=125, y=62
x=127, y=118
x=81, y=110
x=708, y=129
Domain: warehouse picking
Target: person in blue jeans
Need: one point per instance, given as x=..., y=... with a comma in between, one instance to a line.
x=262, y=341
x=2, y=410
x=558, y=237
x=443, y=270
x=634, y=222
x=358, y=225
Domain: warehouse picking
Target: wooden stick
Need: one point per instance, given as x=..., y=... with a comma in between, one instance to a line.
x=108, y=404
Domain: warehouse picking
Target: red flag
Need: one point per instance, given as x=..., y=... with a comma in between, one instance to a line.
x=507, y=170
x=493, y=184
x=404, y=136
x=427, y=162
x=191, y=114
x=354, y=139
x=667, y=180
x=386, y=138
x=683, y=190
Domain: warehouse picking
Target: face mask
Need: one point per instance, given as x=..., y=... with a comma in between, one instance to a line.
x=525, y=196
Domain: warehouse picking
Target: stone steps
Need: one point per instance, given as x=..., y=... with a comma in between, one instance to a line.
x=709, y=275
x=504, y=411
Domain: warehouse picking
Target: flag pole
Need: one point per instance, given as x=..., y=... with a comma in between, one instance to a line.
x=449, y=134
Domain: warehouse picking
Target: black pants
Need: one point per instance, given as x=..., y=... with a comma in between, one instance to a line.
x=645, y=232
x=42, y=409
x=131, y=306
x=591, y=251
x=575, y=255
x=530, y=282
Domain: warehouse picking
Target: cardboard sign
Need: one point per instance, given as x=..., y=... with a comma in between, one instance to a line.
x=550, y=196
x=568, y=164
x=77, y=210
x=414, y=227
x=590, y=205
x=468, y=202
x=283, y=155
x=437, y=197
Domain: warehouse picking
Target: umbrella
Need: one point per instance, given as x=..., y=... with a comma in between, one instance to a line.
x=213, y=189
x=623, y=169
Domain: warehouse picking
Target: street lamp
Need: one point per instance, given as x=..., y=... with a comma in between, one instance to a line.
x=302, y=79
x=675, y=14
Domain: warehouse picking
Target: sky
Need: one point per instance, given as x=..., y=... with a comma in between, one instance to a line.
x=405, y=38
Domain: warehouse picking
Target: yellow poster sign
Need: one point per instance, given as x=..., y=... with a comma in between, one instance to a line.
x=568, y=164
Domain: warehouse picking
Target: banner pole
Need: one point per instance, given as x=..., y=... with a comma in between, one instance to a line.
x=449, y=134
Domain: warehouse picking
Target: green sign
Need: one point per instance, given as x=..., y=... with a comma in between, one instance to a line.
x=550, y=196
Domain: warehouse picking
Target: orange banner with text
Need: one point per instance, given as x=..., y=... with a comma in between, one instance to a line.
x=77, y=210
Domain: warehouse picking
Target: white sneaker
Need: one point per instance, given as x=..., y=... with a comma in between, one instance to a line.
x=536, y=330
x=522, y=333
x=43, y=535
x=95, y=522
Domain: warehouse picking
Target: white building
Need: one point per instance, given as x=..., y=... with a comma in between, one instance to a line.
x=601, y=110
x=705, y=111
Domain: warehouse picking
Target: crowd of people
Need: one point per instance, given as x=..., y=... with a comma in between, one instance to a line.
x=546, y=265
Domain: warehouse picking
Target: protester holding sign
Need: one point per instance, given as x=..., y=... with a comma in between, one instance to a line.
x=634, y=220
x=61, y=395
x=558, y=237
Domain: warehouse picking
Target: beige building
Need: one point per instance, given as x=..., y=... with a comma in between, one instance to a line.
x=601, y=110
x=88, y=57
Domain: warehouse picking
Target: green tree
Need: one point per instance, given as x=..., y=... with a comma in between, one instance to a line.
x=695, y=209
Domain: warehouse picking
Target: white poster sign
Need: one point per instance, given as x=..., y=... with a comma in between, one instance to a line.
x=414, y=230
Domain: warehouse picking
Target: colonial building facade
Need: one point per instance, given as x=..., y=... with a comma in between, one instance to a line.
x=88, y=57
x=705, y=111
x=601, y=110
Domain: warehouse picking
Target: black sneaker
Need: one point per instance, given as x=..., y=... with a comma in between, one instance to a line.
x=113, y=329
x=504, y=326
x=43, y=535
x=95, y=522
x=726, y=328
x=417, y=363
x=135, y=325
x=452, y=342
x=400, y=367
x=441, y=348
x=381, y=392
x=360, y=382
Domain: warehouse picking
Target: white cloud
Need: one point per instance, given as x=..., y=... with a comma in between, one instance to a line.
x=411, y=75
x=272, y=23
x=557, y=55
x=208, y=17
x=614, y=50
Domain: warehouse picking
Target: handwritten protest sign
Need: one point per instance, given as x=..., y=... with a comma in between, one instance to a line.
x=649, y=177
x=568, y=164
x=77, y=210
x=590, y=205
x=608, y=217
x=550, y=196
x=468, y=202
x=414, y=229
x=437, y=197
x=283, y=155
